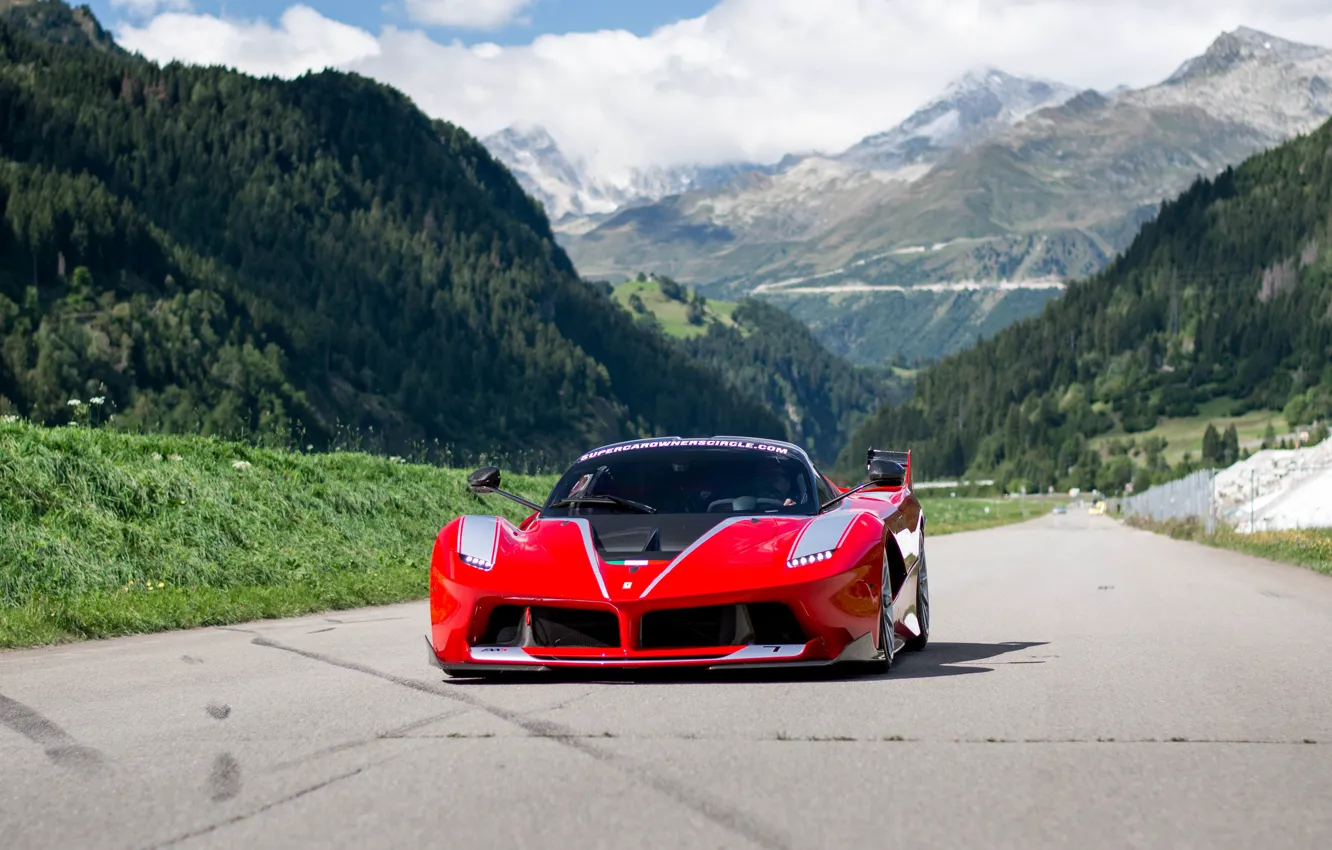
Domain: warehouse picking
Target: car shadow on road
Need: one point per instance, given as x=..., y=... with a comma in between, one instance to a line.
x=936, y=660
x=944, y=659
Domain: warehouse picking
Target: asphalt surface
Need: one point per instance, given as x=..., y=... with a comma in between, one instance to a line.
x=1087, y=686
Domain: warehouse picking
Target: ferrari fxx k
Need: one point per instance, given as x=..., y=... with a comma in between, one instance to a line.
x=715, y=552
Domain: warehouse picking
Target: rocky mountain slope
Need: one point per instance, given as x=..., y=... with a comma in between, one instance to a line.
x=758, y=227
x=58, y=22
x=1047, y=189
x=974, y=108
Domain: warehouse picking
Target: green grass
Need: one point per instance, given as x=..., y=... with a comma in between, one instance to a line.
x=1308, y=547
x=671, y=313
x=109, y=534
x=1185, y=434
x=949, y=516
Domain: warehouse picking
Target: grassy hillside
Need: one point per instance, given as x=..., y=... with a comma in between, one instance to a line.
x=1227, y=294
x=647, y=300
x=108, y=533
x=1184, y=435
x=219, y=253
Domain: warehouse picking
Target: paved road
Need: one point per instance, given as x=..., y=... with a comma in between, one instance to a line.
x=1089, y=686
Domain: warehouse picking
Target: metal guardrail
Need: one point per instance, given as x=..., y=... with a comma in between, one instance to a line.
x=1196, y=496
x=1190, y=497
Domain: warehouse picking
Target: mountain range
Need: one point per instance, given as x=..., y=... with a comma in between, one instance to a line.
x=569, y=193
x=975, y=210
x=1221, y=305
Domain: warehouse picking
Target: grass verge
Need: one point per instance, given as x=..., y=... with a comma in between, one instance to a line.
x=947, y=515
x=1306, y=547
x=111, y=534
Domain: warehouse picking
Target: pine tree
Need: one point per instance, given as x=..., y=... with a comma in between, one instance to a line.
x=1212, y=449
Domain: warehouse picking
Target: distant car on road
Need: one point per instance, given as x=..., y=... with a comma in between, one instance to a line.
x=715, y=552
x=1059, y=509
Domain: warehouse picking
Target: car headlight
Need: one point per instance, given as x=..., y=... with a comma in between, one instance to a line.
x=473, y=561
x=811, y=559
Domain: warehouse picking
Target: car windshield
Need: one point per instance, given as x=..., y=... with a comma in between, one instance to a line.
x=686, y=480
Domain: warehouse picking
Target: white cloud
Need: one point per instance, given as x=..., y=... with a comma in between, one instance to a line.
x=475, y=14
x=148, y=8
x=304, y=40
x=751, y=79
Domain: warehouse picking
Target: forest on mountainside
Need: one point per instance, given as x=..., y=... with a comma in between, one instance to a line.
x=1227, y=293
x=300, y=259
x=777, y=357
x=765, y=352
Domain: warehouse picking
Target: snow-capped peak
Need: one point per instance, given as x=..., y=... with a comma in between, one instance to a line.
x=527, y=137
x=972, y=108
x=567, y=187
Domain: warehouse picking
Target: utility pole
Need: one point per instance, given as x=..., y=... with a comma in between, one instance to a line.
x=1253, y=494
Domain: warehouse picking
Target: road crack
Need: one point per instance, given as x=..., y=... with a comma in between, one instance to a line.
x=822, y=739
x=720, y=815
x=259, y=811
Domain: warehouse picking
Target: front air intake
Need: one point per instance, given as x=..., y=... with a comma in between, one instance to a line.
x=569, y=627
x=504, y=626
x=719, y=625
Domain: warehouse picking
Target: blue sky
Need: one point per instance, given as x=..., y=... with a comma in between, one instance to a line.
x=752, y=81
x=543, y=16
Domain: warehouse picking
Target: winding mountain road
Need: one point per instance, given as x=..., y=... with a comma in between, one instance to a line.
x=1088, y=686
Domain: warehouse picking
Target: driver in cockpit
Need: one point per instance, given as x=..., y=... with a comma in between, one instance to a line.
x=773, y=483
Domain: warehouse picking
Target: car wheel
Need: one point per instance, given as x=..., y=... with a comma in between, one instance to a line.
x=886, y=638
x=917, y=643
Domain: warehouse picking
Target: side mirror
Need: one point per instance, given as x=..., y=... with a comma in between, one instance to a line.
x=484, y=480
x=886, y=473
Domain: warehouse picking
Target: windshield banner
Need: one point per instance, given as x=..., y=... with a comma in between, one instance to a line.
x=661, y=444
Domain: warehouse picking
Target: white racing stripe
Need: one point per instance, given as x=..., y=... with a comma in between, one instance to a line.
x=478, y=537
x=824, y=533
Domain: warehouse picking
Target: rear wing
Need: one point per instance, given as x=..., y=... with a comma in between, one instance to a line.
x=903, y=458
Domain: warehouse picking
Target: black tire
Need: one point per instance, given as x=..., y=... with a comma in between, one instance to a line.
x=916, y=644
x=886, y=637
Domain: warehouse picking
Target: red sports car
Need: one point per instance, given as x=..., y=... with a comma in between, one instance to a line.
x=715, y=552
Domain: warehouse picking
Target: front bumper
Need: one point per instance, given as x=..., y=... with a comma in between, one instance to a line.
x=518, y=659
x=833, y=618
